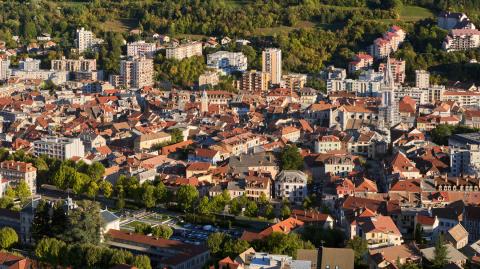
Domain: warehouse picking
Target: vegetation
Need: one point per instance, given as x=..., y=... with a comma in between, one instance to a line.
x=360, y=247
x=280, y=243
x=442, y=132
x=222, y=245
x=291, y=158
x=8, y=238
x=440, y=252
x=324, y=237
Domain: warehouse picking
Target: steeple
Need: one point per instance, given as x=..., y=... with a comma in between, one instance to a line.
x=388, y=74
x=204, y=102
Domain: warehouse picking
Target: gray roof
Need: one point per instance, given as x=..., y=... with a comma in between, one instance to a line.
x=108, y=216
x=453, y=254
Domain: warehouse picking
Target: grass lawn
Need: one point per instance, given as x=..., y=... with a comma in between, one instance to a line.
x=414, y=13
x=269, y=31
x=134, y=223
x=119, y=25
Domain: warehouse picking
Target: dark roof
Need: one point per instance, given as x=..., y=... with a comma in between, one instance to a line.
x=341, y=257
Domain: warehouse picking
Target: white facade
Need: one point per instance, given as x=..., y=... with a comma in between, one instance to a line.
x=465, y=161
x=272, y=64
x=291, y=185
x=227, y=62
x=59, y=147
x=30, y=64
x=136, y=72
x=85, y=40
x=141, y=48
x=4, y=71
x=184, y=51
x=422, y=79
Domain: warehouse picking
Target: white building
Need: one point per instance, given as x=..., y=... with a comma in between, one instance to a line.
x=291, y=185
x=465, y=160
x=29, y=64
x=86, y=40
x=272, y=64
x=4, y=71
x=17, y=171
x=422, y=79
x=59, y=147
x=462, y=39
x=184, y=51
x=227, y=62
x=141, y=48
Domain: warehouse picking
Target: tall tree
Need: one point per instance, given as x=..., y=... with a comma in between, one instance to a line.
x=360, y=247
x=440, y=258
x=142, y=262
x=291, y=158
x=84, y=224
x=8, y=238
x=186, y=197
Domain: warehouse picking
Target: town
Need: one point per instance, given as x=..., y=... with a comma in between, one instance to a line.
x=155, y=149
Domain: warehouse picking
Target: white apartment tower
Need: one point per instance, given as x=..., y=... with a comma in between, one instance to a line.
x=4, y=71
x=59, y=147
x=272, y=64
x=136, y=72
x=85, y=40
x=141, y=48
x=422, y=79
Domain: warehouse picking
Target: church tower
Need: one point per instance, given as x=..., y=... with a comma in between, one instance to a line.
x=204, y=102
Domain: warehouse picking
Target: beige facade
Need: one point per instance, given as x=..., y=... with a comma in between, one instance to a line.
x=254, y=81
x=184, y=51
x=147, y=141
x=272, y=64
x=136, y=72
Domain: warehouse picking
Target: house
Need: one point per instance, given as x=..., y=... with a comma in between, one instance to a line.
x=457, y=236
x=454, y=256
x=147, y=141
x=378, y=230
x=263, y=162
x=284, y=226
x=205, y=155
x=291, y=185
x=16, y=171
x=389, y=257
x=327, y=143
x=11, y=261
x=313, y=217
x=290, y=133
x=163, y=253
x=428, y=225
x=198, y=168
x=255, y=185
x=471, y=222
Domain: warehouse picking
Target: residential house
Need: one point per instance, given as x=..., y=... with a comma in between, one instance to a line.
x=147, y=141
x=291, y=185
x=457, y=236
x=16, y=171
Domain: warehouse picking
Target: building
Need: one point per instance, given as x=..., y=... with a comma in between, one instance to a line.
x=208, y=79
x=293, y=81
x=398, y=70
x=291, y=185
x=141, y=48
x=8, y=260
x=272, y=64
x=227, y=62
x=378, y=230
x=29, y=64
x=361, y=61
x=465, y=160
x=163, y=253
x=256, y=185
x=391, y=40
x=471, y=222
x=454, y=256
x=457, y=236
x=74, y=65
x=327, y=143
x=136, y=72
x=86, y=40
x=147, y=141
x=254, y=82
x=454, y=20
x=62, y=148
x=184, y=51
x=422, y=79
x=17, y=171
x=4, y=70
x=462, y=39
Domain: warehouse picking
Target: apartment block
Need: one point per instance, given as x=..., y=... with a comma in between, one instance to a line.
x=388, y=43
x=227, y=62
x=397, y=68
x=74, y=65
x=291, y=185
x=136, y=72
x=17, y=171
x=184, y=51
x=294, y=81
x=141, y=48
x=422, y=79
x=209, y=78
x=62, y=148
x=462, y=39
x=4, y=71
x=86, y=40
x=29, y=64
x=254, y=81
x=272, y=64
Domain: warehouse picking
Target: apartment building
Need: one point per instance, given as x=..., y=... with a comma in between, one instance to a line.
x=397, y=68
x=86, y=40
x=227, y=62
x=272, y=64
x=4, y=71
x=327, y=143
x=141, y=48
x=29, y=64
x=254, y=81
x=146, y=141
x=291, y=185
x=422, y=79
x=136, y=72
x=17, y=171
x=62, y=148
x=462, y=39
x=465, y=160
x=463, y=98
x=184, y=50
x=293, y=81
x=74, y=65
x=361, y=61
x=454, y=20
x=391, y=40
x=363, y=88
x=256, y=185
x=209, y=78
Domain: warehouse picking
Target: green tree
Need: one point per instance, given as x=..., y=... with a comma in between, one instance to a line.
x=107, y=188
x=162, y=231
x=440, y=258
x=215, y=242
x=360, y=247
x=204, y=206
x=50, y=250
x=252, y=209
x=148, y=196
x=285, y=211
x=280, y=243
x=177, y=135
x=142, y=262
x=418, y=234
x=291, y=158
x=120, y=257
x=186, y=197
x=269, y=212
x=8, y=238
x=23, y=191
x=142, y=228
x=160, y=192
x=83, y=224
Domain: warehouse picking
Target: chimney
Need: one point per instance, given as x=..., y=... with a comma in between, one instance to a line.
x=458, y=181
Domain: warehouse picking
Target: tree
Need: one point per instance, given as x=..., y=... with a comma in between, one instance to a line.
x=142, y=228
x=148, y=196
x=269, y=212
x=8, y=237
x=418, y=235
x=23, y=191
x=280, y=243
x=107, y=188
x=49, y=250
x=162, y=231
x=142, y=262
x=285, y=211
x=291, y=158
x=177, y=135
x=204, y=206
x=186, y=197
x=120, y=257
x=83, y=224
x=160, y=192
x=252, y=209
x=440, y=253
x=360, y=247
x=215, y=241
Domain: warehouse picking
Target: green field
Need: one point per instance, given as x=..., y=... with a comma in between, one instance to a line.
x=414, y=13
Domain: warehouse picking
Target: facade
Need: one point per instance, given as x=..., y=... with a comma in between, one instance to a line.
x=184, y=51
x=209, y=78
x=462, y=39
x=361, y=61
x=327, y=143
x=85, y=40
x=391, y=40
x=59, y=147
x=255, y=186
x=272, y=64
x=454, y=20
x=254, y=81
x=4, y=71
x=227, y=62
x=422, y=79
x=29, y=64
x=293, y=81
x=291, y=185
x=74, y=65
x=465, y=160
x=136, y=72
x=16, y=171
x=141, y=48
x=398, y=70
x=146, y=141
